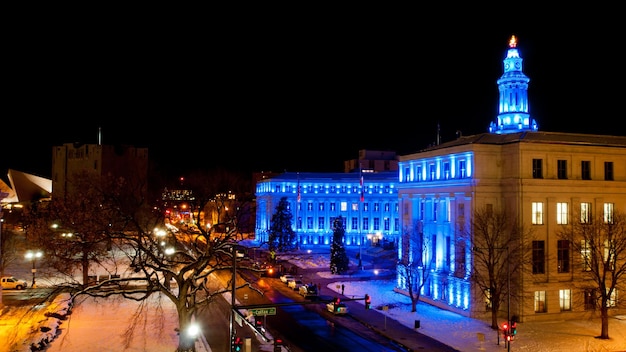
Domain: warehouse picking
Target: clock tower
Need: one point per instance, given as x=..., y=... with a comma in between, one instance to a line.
x=513, y=115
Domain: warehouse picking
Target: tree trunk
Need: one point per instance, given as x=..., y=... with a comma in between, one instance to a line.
x=85, y=267
x=186, y=343
x=604, y=316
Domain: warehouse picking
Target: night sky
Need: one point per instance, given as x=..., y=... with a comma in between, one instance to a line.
x=296, y=95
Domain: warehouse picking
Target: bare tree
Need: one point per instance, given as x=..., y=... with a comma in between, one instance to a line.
x=416, y=263
x=598, y=246
x=181, y=263
x=74, y=231
x=497, y=242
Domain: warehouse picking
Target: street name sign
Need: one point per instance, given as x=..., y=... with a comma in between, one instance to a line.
x=263, y=311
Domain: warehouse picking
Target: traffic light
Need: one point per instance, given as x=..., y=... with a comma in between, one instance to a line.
x=368, y=301
x=506, y=332
x=514, y=329
x=277, y=344
x=336, y=302
x=237, y=344
x=258, y=324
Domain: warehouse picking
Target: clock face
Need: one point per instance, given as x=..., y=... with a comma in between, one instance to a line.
x=506, y=65
x=518, y=65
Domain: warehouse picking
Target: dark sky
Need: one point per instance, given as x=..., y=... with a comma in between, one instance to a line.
x=297, y=95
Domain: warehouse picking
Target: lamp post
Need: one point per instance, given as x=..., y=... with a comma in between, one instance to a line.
x=33, y=255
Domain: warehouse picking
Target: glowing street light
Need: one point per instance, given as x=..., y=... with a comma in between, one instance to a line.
x=33, y=255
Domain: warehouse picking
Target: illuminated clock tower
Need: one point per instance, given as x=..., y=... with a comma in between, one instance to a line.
x=513, y=113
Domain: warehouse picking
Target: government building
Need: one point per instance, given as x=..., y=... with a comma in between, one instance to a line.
x=545, y=181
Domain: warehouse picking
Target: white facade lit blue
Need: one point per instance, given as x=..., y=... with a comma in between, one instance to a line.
x=316, y=199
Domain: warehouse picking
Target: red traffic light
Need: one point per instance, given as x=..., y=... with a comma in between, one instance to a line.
x=368, y=301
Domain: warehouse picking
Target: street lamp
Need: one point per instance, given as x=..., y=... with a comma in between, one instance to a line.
x=33, y=255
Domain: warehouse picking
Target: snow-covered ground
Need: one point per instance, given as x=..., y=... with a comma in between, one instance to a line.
x=100, y=324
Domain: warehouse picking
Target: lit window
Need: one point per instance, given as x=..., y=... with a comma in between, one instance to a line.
x=585, y=213
x=608, y=213
x=565, y=300
x=561, y=213
x=540, y=302
x=537, y=213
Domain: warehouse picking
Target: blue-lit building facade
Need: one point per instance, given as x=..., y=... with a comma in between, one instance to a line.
x=544, y=178
x=368, y=202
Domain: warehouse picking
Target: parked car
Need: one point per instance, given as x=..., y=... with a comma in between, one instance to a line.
x=295, y=284
x=337, y=308
x=308, y=291
x=286, y=277
x=11, y=283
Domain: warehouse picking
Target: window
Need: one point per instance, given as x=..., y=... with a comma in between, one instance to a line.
x=435, y=206
x=608, y=213
x=563, y=256
x=612, y=300
x=585, y=253
x=431, y=172
x=387, y=224
x=565, y=300
x=366, y=224
x=309, y=206
x=355, y=223
x=332, y=206
x=309, y=223
x=540, y=302
x=299, y=223
x=585, y=170
x=537, y=170
x=590, y=299
x=446, y=170
x=376, y=224
x=561, y=169
x=386, y=207
x=343, y=206
x=376, y=207
x=539, y=257
x=608, y=171
x=461, y=210
x=366, y=206
x=407, y=174
x=396, y=224
x=462, y=169
x=585, y=213
x=419, y=174
x=321, y=207
x=320, y=223
x=537, y=213
x=561, y=213
x=422, y=205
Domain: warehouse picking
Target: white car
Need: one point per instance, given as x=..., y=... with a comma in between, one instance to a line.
x=286, y=277
x=11, y=283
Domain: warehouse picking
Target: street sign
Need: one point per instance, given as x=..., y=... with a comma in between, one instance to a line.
x=263, y=311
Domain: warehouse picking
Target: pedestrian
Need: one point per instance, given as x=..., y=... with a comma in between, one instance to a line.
x=343, y=287
x=319, y=287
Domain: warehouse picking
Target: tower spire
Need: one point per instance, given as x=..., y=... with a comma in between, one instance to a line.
x=513, y=108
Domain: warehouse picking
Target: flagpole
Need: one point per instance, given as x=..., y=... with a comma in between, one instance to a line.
x=298, y=198
x=360, y=218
